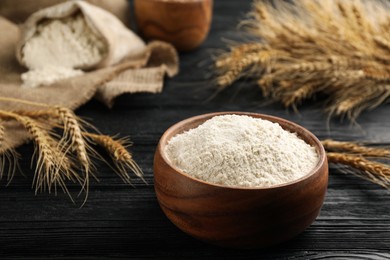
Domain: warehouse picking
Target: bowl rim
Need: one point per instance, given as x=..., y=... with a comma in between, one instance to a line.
x=274, y=119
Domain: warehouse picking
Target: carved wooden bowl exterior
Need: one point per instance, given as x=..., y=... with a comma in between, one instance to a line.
x=239, y=217
x=184, y=23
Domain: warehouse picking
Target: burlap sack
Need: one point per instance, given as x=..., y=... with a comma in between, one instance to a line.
x=120, y=41
x=154, y=60
x=18, y=11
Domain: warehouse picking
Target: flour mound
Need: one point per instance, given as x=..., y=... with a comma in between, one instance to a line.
x=47, y=75
x=243, y=151
x=58, y=48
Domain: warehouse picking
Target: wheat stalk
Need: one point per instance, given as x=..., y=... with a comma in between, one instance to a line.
x=122, y=158
x=52, y=164
x=354, y=148
x=56, y=154
x=355, y=157
x=344, y=46
x=117, y=149
x=8, y=157
x=375, y=172
x=72, y=136
x=2, y=159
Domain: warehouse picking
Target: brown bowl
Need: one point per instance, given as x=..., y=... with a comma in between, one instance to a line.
x=234, y=216
x=184, y=23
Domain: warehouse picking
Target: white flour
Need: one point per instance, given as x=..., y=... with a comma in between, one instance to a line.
x=48, y=75
x=58, y=48
x=242, y=151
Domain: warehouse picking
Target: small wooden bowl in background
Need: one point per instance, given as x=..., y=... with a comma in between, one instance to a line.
x=233, y=216
x=184, y=23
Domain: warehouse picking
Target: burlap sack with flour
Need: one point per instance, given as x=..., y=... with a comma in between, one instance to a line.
x=143, y=71
x=120, y=41
x=18, y=11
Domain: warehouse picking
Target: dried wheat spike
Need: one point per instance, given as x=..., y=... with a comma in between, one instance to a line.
x=2, y=132
x=354, y=148
x=8, y=157
x=236, y=54
x=344, y=45
x=296, y=96
x=234, y=73
x=52, y=168
x=56, y=155
x=3, y=156
x=72, y=132
x=375, y=172
x=73, y=138
x=121, y=157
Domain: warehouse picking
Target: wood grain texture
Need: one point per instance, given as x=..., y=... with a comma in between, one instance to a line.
x=123, y=222
x=185, y=24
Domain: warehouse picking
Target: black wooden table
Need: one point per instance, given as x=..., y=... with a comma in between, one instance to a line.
x=119, y=221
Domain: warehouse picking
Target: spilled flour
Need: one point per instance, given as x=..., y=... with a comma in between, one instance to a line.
x=59, y=48
x=236, y=150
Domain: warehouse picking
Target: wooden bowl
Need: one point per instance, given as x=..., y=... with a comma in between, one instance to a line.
x=184, y=23
x=239, y=217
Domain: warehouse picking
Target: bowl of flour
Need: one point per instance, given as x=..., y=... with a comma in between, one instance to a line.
x=240, y=179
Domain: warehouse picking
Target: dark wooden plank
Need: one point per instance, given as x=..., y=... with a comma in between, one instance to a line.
x=119, y=221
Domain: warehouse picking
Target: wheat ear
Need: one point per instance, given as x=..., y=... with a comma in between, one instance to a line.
x=72, y=135
x=53, y=167
x=2, y=159
x=55, y=153
x=354, y=148
x=8, y=157
x=339, y=49
x=122, y=158
x=116, y=148
x=375, y=172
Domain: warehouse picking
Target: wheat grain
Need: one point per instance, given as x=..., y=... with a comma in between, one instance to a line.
x=8, y=157
x=234, y=73
x=73, y=133
x=347, y=106
x=2, y=159
x=50, y=159
x=382, y=42
x=52, y=164
x=121, y=157
x=295, y=97
x=377, y=74
x=48, y=167
x=73, y=136
x=2, y=133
